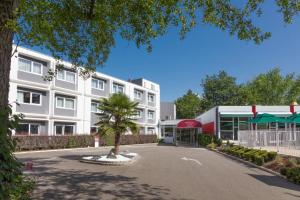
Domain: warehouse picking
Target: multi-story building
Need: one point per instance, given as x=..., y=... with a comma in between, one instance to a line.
x=68, y=104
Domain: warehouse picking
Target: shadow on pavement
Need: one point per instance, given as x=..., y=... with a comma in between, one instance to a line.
x=57, y=179
x=276, y=181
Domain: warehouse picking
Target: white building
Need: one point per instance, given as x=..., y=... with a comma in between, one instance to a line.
x=68, y=103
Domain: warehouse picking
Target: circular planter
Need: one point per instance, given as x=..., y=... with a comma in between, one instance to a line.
x=122, y=159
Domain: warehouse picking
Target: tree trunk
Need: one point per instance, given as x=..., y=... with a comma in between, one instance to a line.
x=6, y=13
x=117, y=143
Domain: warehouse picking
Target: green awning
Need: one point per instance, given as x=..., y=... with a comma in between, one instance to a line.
x=267, y=118
x=295, y=118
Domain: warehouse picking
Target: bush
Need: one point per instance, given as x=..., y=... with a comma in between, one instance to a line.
x=212, y=146
x=293, y=174
x=204, y=140
x=256, y=156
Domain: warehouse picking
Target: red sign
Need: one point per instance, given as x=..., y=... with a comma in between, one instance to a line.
x=254, y=110
x=189, y=123
x=292, y=108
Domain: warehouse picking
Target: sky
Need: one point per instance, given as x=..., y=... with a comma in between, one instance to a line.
x=178, y=65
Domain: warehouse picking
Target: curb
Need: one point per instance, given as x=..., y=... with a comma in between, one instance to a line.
x=251, y=164
x=70, y=149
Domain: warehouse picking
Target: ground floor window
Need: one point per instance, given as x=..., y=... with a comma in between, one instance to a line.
x=229, y=126
x=64, y=129
x=28, y=129
x=151, y=130
x=93, y=129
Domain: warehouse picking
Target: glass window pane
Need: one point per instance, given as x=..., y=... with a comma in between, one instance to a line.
x=225, y=135
x=24, y=65
x=94, y=83
x=68, y=130
x=22, y=129
x=93, y=130
x=61, y=75
x=26, y=97
x=70, y=103
x=226, y=125
x=36, y=98
x=59, y=102
x=94, y=107
x=58, y=130
x=37, y=68
x=101, y=84
x=20, y=97
x=70, y=76
x=34, y=129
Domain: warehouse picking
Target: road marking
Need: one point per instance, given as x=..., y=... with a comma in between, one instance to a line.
x=191, y=159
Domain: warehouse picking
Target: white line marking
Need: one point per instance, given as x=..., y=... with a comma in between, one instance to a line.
x=191, y=159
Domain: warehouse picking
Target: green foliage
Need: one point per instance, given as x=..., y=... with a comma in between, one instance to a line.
x=293, y=174
x=116, y=117
x=221, y=89
x=205, y=140
x=12, y=182
x=272, y=88
x=256, y=156
x=188, y=106
x=212, y=146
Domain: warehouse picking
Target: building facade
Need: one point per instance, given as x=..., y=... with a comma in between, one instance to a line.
x=226, y=121
x=68, y=104
x=167, y=111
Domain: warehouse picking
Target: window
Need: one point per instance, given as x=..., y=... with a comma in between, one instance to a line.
x=139, y=113
x=28, y=128
x=150, y=130
x=94, y=107
x=66, y=103
x=97, y=84
x=118, y=88
x=64, y=129
x=93, y=129
x=27, y=97
x=151, y=98
x=138, y=94
x=150, y=114
x=65, y=75
x=30, y=66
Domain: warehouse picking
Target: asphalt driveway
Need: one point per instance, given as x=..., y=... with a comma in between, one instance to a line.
x=162, y=172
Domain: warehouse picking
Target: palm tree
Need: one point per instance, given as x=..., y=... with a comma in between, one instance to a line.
x=116, y=117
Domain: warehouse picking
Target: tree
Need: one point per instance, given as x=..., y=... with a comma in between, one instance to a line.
x=84, y=31
x=116, y=117
x=222, y=89
x=272, y=88
x=188, y=106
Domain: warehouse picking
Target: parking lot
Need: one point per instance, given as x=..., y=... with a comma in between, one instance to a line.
x=161, y=172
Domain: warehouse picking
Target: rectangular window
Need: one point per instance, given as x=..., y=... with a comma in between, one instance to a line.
x=94, y=107
x=118, y=88
x=97, y=84
x=58, y=130
x=151, y=98
x=69, y=103
x=150, y=114
x=28, y=97
x=65, y=103
x=65, y=75
x=69, y=130
x=30, y=66
x=138, y=94
x=22, y=129
x=64, y=129
x=27, y=128
x=139, y=113
x=150, y=130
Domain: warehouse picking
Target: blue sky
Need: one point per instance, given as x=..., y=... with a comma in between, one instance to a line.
x=178, y=65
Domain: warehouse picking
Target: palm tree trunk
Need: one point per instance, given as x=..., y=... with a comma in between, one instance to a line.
x=117, y=143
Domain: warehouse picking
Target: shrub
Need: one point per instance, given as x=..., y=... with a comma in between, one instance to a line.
x=259, y=160
x=212, y=146
x=293, y=174
x=272, y=155
x=204, y=140
x=283, y=171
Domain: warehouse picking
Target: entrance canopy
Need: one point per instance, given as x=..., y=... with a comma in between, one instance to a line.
x=189, y=123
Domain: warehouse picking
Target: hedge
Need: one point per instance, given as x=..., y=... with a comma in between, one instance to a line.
x=75, y=141
x=256, y=156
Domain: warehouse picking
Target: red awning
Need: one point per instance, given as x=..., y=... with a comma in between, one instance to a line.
x=189, y=123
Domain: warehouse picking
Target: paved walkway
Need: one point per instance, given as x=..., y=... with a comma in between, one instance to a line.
x=162, y=172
